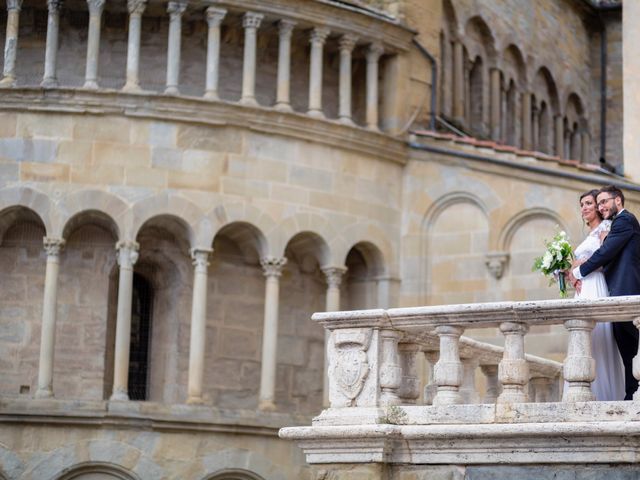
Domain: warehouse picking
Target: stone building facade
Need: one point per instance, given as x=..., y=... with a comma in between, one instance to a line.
x=207, y=174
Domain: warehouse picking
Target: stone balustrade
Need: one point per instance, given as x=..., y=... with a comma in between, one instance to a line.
x=373, y=388
x=234, y=40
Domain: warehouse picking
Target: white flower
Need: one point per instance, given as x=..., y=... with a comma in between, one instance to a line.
x=547, y=259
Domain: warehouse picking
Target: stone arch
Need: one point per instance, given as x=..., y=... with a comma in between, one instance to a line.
x=448, y=200
x=96, y=217
x=12, y=466
x=138, y=464
x=479, y=39
x=241, y=212
x=166, y=204
x=448, y=34
x=34, y=200
x=310, y=243
x=106, y=471
x=514, y=67
x=234, y=474
x=477, y=86
x=364, y=285
x=386, y=263
x=545, y=87
x=313, y=223
x=577, y=129
x=509, y=228
x=85, y=202
x=450, y=18
x=247, y=237
x=244, y=461
x=17, y=213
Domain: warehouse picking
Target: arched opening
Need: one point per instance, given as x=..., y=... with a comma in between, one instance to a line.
x=301, y=341
x=234, y=474
x=544, y=129
x=476, y=93
x=22, y=269
x=511, y=116
x=96, y=471
x=235, y=316
x=362, y=282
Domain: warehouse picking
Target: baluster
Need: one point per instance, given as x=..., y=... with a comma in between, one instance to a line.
x=468, y=390
x=513, y=370
x=409, y=391
x=541, y=389
x=448, y=371
x=579, y=366
x=430, y=389
x=390, y=371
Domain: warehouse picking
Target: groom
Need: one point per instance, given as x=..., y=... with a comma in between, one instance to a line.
x=619, y=255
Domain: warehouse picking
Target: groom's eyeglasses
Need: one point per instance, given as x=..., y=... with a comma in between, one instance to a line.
x=605, y=200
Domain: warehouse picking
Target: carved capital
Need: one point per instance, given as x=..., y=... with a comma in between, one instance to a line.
x=252, y=20
x=95, y=6
x=496, y=263
x=334, y=275
x=285, y=28
x=200, y=257
x=215, y=16
x=177, y=7
x=272, y=266
x=374, y=52
x=348, y=42
x=54, y=6
x=53, y=246
x=127, y=253
x=319, y=35
x=136, y=7
x=14, y=5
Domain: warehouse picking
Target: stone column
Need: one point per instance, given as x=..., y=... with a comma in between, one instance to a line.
x=430, y=389
x=585, y=147
x=136, y=9
x=579, y=367
x=374, y=52
x=495, y=104
x=390, y=370
x=558, y=129
x=493, y=386
x=535, y=128
x=458, y=81
x=11, y=43
x=53, y=247
x=285, y=31
x=272, y=268
x=93, y=43
x=334, y=279
x=448, y=371
x=214, y=19
x=197, y=342
x=251, y=22
x=347, y=43
x=526, y=121
x=50, y=79
x=175, y=9
x=318, y=37
x=513, y=370
x=468, y=390
x=127, y=257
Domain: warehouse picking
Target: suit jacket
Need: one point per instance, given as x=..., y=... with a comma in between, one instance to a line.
x=619, y=255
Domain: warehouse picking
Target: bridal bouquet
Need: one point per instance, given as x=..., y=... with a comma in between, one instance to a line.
x=556, y=260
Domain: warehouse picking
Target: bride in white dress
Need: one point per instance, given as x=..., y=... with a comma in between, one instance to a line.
x=609, y=382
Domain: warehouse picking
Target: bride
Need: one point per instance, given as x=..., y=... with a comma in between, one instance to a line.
x=609, y=382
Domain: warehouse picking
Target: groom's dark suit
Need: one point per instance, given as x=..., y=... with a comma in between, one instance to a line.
x=619, y=256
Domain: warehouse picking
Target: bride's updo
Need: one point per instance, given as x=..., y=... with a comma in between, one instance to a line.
x=593, y=194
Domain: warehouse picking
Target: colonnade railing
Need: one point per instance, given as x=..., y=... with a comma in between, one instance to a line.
x=375, y=35
x=373, y=390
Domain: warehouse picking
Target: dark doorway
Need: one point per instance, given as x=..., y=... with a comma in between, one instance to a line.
x=141, y=305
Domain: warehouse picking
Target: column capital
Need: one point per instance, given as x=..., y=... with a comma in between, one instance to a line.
x=53, y=246
x=215, y=16
x=177, y=7
x=272, y=266
x=334, y=275
x=136, y=7
x=54, y=6
x=200, y=257
x=252, y=20
x=348, y=42
x=95, y=6
x=127, y=253
x=319, y=35
x=14, y=5
x=285, y=27
x=374, y=52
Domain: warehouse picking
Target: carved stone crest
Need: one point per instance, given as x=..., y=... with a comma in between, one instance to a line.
x=350, y=367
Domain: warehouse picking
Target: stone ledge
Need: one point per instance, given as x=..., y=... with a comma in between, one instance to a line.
x=214, y=113
x=526, y=443
x=146, y=415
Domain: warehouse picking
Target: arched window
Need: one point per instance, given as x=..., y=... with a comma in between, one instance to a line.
x=96, y=471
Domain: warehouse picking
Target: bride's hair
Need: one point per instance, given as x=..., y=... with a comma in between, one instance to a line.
x=594, y=194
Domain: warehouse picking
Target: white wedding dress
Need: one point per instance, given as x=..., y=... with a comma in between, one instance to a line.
x=609, y=382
